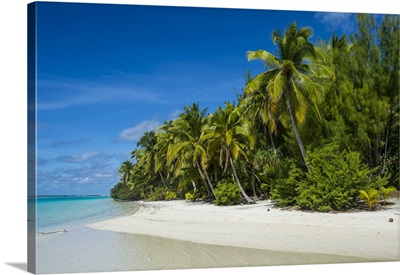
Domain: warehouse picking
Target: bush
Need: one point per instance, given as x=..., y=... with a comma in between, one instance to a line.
x=284, y=190
x=227, y=193
x=386, y=192
x=264, y=189
x=158, y=194
x=335, y=179
x=193, y=196
x=188, y=196
x=122, y=191
x=324, y=208
x=170, y=195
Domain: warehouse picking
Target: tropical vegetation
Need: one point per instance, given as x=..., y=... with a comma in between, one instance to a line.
x=315, y=130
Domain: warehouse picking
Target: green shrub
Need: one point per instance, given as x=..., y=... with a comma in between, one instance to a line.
x=170, y=195
x=158, y=194
x=227, y=193
x=285, y=191
x=386, y=192
x=264, y=189
x=193, y=196
x=334, y=180
x=324, y=208
x=122, y=191
x=188, y=196
x=376, y=182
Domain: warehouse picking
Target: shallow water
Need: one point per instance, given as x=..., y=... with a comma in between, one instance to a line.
x=66, y=212
x=89, y=250
x=82, y=249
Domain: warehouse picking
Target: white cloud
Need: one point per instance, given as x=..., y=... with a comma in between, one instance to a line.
x=64, y=93
x=175, y=114
x=335, y=22
x=136, y=132
x=61, y=143
x=89, y=178
x=78, y=158
x=83, y=179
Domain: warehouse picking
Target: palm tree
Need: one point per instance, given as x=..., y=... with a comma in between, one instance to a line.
x=164, y=139
x=291, y=75
x=124, y=171
x=370, y=197
x=188, y=176
x=137, y=179
x=229, y=134
x=260, y=105
x=187, y=146
x=147, y=144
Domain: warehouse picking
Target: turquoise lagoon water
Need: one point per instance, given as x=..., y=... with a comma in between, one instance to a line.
x=65, y=244
x=66, y=212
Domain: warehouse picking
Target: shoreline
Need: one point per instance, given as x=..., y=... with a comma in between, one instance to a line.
x=367, y=235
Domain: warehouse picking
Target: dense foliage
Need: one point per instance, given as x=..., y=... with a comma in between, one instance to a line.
x=335, y=179
x=122, y=191
x=316, y=130
x=227, y=193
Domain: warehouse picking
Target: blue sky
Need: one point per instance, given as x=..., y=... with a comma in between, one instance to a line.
x=108, y=73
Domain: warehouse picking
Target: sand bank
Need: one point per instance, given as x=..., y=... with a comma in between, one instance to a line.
x=261, y=226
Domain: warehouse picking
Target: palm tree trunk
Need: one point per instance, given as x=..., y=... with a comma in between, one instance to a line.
x=238, y=182
x=204, y=181
x=253, y=179
x=296, y=130
x=162, y=178
x=194, y=186
x=271, y=138
x=203, y=175
x=126, y=177
x=226, y=159
x=209, y=182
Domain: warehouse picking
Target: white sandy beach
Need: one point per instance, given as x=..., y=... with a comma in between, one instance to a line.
x=366, y=234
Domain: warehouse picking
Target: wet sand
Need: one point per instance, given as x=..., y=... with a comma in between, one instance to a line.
x=89, y=250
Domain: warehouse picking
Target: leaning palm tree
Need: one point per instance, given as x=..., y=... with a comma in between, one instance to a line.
x=291, y=76
x=229, y=134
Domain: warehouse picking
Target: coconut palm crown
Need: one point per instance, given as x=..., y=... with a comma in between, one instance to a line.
x=291, y=75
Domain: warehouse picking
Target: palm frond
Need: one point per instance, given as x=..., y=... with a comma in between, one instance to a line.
x=301, y=104
x=277, y=86
x=175, y=150
x=260, y=81
x=323, y=70
x=305, y=32
x=310, y=88
x=268, y=58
